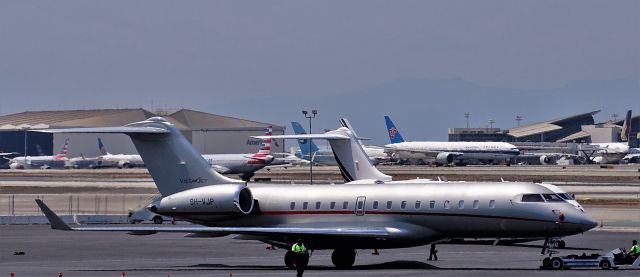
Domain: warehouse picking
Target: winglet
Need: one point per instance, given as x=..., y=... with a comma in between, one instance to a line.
x=54, y=219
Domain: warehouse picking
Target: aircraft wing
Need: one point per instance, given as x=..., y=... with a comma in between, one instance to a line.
x=58, y=224
x=118, y=130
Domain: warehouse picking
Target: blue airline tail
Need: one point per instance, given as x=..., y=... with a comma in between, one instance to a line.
x=304, y=144
x=102, y=148
x=394, y=134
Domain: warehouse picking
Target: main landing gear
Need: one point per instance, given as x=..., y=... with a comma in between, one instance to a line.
x=341, y=258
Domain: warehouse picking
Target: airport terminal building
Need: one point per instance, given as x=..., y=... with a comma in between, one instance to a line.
x=209, y=133
x=580, y=128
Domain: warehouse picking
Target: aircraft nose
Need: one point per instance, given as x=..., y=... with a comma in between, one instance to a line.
x=587, y=223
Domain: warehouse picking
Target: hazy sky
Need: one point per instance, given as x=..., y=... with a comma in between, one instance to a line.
x=209, y=55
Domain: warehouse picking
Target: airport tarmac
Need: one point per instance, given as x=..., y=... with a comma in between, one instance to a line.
x=48, y=252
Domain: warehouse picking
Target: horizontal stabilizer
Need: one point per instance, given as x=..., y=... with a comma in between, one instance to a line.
x=307, y=136
x=117, y=130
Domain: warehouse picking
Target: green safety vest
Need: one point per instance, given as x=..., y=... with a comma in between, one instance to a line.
x=299, y=248
x=635, y=249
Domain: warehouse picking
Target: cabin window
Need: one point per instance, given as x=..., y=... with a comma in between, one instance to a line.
x=417, y=205
x=375, y=205
x=318, y=205
x=476, y=204
x=292, y=206
x=532, y=198
x=492, y=204
x=389, y=205
x=550, y=197
x=332, y=205
x=403, y=205
x=446, y=204
x=432, y=204
x=305, y=205
x=345, y=205
x=360, y=205
x=461, y=204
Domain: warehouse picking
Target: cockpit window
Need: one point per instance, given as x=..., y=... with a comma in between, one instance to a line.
x=552, y=197
x=532, y=198
x=565, y=196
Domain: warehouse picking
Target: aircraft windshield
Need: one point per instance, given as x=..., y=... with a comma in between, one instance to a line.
x=565, y=196
x=552, y=197
x=532, y=198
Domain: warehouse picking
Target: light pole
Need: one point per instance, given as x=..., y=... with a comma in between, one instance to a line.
x=310, y=116
x=491, y=121
x=466, y=115
x=519, y=118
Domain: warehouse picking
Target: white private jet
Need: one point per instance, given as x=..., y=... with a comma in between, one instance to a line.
x=370, y=213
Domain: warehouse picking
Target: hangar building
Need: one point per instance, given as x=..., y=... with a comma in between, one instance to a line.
x=209, y=133
x=580, y=128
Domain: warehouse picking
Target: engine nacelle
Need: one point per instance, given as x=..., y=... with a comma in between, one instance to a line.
x=545, y=160
x=444, y=158
x=124, y=164
x=216, y=202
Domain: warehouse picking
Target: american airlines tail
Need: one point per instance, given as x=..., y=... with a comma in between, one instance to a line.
x=264, y=152
x=352, y=160
x=102, y=148
x=172, y=161
x=394, y=134
x=626, y=128
x=63, y=152
x=304, y=144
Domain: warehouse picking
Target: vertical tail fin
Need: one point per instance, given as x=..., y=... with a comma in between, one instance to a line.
x=102, y=148
x=394, y=134
x=174, y=164
x=64, y=150
x=352, y=160
x=265, y=145
x=307, y=146
x=626, y=128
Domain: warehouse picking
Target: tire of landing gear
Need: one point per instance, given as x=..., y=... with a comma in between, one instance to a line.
x=561, y=244
x=288, y=259
x=557, y=263
x=157, y=219
x=343, y=258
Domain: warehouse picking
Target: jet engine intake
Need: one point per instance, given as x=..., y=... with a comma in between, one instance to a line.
x=444, y=158
x=545, y=160
x=216, y=202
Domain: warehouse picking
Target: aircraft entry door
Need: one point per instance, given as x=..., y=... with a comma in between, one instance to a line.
x=360, y=205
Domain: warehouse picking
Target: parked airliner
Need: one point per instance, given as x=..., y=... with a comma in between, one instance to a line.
x=364, y=214
x=42, y=162
x=445, y=152
x=615, y=152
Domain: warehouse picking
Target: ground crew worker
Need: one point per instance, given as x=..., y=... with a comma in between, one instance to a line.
x=635, y=249
x=433, y=252
x=300, y=257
